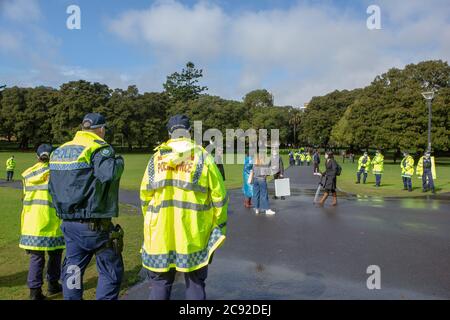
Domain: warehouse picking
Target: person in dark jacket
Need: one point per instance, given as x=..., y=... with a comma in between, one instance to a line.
x=84, y=185
x=330, y=179
x=316, y=160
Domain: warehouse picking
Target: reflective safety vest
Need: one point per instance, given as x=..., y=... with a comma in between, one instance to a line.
x=308, y=157
x=407, y=166
x=40, y=227
x=364, y=162
x=419, y=168
x=10, y=164
x=302, y=157
x=184, y=202
x=297, y=155
x=378, y=164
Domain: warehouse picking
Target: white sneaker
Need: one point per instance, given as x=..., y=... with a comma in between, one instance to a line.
x=270, y=212
x=257, y=211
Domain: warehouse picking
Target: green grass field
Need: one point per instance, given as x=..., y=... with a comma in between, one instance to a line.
x=135, y=165
x=14, y=261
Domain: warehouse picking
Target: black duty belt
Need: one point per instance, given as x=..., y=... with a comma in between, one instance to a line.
x=95, y=224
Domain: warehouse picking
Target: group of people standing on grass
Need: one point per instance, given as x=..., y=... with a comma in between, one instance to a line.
x=425, y=170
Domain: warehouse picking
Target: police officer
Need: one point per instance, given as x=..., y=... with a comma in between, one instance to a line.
x=363, y=168
x=84, y=183
x=407, y=166
x=184, y=202
x=40, y=227
x=10, y=166
x=378, y=165
x=426, y=170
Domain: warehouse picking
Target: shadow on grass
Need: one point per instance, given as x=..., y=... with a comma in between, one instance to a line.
x=13, y=280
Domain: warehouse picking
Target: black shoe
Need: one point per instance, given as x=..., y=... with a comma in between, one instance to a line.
x=54, y=288
x=275, y=197
x=283, y=198
x=357, y=182
x=36, y=294
x=409, y=190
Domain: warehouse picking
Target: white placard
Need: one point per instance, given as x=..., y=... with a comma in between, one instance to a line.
x=282, y=187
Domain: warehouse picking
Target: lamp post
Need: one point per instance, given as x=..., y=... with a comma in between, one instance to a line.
x=429, y=95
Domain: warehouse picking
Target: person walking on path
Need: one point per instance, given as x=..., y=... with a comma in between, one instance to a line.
x=331, y=171
x=316, y=161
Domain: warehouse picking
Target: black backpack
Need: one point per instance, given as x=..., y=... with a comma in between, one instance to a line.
x=338, y=169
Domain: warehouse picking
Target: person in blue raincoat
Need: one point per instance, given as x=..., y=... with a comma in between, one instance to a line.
x=247, y=187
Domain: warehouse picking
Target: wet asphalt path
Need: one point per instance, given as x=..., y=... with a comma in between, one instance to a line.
x=306, y=252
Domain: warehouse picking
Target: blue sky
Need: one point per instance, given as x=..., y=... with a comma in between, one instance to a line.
x=295, y=49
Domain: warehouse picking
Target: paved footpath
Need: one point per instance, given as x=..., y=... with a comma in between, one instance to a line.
x=306, y=252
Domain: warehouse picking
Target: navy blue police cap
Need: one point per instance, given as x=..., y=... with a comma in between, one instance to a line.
x=179, y=121
x=93, y=121
x=44, y=149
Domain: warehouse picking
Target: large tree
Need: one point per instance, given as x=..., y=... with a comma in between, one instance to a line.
x=185, y=86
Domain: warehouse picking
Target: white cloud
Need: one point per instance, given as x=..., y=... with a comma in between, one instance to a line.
x=319, y=47
x=20, y=10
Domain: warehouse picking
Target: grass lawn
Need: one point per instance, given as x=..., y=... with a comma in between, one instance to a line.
x=14, y=261
x=135, y=165
x=391, y=181
x=392, y=186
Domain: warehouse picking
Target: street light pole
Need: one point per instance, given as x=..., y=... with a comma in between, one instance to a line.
x=429, y=97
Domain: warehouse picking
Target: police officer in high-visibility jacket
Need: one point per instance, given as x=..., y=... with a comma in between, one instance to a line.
x=10, y=166
x=184, y=202
x=40, y=227
x=407, y=166
x=84, y=184
x=377, y=167
x=363, y=167
x=427, y=171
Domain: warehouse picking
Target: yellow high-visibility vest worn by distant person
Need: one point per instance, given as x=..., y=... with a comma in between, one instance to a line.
x=419, y=168
x=407, y=166
x=10, y=164
x=40, y=227
x=184, y=202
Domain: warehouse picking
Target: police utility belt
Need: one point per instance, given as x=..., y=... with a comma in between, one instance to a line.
x=115, y=233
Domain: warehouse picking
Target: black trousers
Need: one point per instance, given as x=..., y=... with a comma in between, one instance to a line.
x=161, y=284
x=9, y=175
x=37, y=265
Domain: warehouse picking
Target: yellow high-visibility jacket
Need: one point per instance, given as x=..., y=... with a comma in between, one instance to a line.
x=184, y=202
x=40, y=227
x=364, y=163
x=302, y=157
x=308, y=157
x=10, y=164
x=378, y=164
x=407, y=166
x=419, y=168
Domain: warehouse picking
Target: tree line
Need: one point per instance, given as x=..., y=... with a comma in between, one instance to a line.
x=390, y=113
